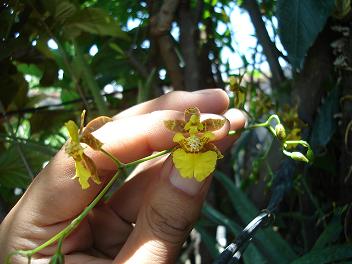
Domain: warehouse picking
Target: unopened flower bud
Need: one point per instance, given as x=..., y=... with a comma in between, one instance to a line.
x=280, y=132
x=298, y=156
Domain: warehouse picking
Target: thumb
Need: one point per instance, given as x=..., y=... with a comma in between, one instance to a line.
x=171, y=207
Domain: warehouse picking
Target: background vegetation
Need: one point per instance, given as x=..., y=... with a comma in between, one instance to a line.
x=58, y=57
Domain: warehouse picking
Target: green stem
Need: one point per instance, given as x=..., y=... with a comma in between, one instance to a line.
x=153, y=156
x=118, y=163
x=295, y=142
x=68, y=229
x=264, y=124
x=75, y=222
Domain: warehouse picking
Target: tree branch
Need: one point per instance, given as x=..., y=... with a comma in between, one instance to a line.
x=160, y=25
x=171, y=61
x=271, y=52
x=188, y=45
x=162, y=21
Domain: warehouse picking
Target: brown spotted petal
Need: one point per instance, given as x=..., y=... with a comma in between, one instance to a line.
x=96, y=123
x=90, y=140
x=213, y=124
x=93, y=125
x=191, y=111
x=89, y=163
x=175, y=125
x=212, y=147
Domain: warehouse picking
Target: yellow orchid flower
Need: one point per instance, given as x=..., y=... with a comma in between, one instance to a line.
x=195, y=157
x=85, y=167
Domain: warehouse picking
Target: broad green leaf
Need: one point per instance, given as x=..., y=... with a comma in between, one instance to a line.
x=95, y=21
x=30, y=69
x=300, y=22
x=63, y=11
x=252, y=254
x=331, y=232
x=208, y=240
x=272, y=244
x=326, y=255
x=325, y=124
x=13, y=172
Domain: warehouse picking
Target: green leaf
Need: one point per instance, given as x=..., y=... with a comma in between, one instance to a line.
x=300, y=22
x=326, y=255
x=63, y=11
x=325, y=124
x=272, y=244
x=252, y=254
x=208, y=240
x=95, y=21
x=30, y=69
x=13, y=172
x=330, y=233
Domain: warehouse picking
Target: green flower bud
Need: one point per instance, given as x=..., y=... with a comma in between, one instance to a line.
x=280, y=132
x=298, y=156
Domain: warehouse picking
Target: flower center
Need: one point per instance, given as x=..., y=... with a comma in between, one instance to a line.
x=194, y=143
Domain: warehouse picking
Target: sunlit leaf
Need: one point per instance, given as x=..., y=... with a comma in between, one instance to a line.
x=95, y=21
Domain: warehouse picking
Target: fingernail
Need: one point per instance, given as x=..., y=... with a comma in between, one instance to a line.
x=189, y=186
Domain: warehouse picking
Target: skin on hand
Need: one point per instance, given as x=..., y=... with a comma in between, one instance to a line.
x=162, y=205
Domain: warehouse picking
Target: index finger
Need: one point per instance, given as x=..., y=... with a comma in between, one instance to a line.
x=208, y=101
x=56, y=196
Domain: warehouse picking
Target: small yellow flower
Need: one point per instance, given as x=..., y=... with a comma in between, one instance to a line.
x=85, y=167
x=293, y=123
x=195, y=157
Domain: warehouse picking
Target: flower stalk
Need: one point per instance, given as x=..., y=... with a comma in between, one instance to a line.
x=116, y=179
x=279, y=132
x=191, y=157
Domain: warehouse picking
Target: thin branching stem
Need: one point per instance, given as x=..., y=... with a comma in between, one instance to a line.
x=117, y=178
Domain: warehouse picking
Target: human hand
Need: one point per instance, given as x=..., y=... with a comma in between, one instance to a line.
x=147, y=219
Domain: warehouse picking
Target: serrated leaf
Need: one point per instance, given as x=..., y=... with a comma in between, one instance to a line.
x=300, y=22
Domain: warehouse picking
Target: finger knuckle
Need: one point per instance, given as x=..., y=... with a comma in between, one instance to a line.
x=169, y=225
